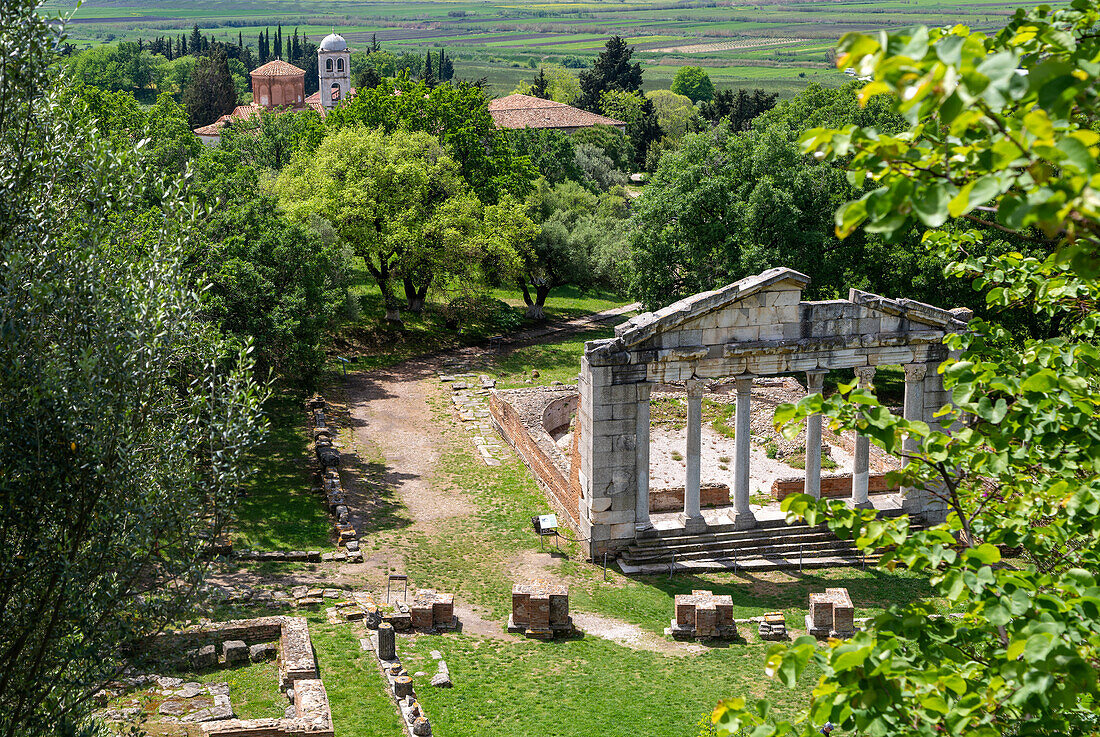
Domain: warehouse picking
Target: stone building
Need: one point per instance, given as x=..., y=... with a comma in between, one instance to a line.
x=758, y=326
x=278, y=86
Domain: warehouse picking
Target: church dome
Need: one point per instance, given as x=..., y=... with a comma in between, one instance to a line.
x=334, y=42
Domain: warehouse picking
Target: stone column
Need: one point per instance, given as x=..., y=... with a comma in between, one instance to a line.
x=815, y=381
x=912, y=499
x=742, y=515
x=692, y=516
x=641, y=460
x=386, y=642
x=861, y=468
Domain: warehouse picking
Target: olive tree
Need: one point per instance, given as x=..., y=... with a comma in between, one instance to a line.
x=124, y=421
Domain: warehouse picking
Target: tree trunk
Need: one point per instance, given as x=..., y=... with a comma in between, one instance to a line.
x=414, y=297
x=393, y=306
x=535, y=309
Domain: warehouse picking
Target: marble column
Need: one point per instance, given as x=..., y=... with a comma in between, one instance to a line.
x=692, y=516
x=742, y=515
x=641, y=460
x=912, y=499
x=862, y=465
x=815, y=381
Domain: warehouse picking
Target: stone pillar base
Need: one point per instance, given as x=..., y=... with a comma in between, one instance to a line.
x=693, y=523
x=861, y=505
x=743, y=520
x=645, y=531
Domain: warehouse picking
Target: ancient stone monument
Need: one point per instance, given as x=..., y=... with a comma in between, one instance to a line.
x=758, y=326
x=702, y=615
x=540, y=610
x=433, y=610
x=773, y=626
x=831, y=614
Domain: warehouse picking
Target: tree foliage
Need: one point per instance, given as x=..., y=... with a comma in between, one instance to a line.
x=400, y=201
x=739, y=106
x=459, y=116
x=212, y=92
x=694, y=83
x=125, y=419
x=611, y=72
x=1001, y=131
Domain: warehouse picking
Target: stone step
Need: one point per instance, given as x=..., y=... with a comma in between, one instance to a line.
x=713, y=551
x=746, y=536
x=772, y=563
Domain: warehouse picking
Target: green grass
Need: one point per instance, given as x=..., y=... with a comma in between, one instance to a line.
x=279, y=511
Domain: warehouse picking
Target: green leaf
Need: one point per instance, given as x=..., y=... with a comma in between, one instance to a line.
x=931, y=205
x=1041, y=381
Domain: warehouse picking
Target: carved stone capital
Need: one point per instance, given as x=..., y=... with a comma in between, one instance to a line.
x=865, y=374
x=694, y=387
x=915, y=371
x=815, y=381
x=744, y=383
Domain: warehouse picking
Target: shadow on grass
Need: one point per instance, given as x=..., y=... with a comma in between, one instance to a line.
x=279, y=510
x=876, y=590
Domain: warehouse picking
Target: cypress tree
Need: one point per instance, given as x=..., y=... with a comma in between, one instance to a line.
x=374, y=47
x=260, y=48
x=212, y=93
x=181, y=45
x=196, y=40
x=295, y=49
x=279, y=42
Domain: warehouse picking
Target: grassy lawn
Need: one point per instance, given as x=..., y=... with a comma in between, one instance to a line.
x=279, y=511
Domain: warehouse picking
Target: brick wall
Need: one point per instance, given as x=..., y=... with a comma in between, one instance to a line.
x=669, y=500
x=838, y=486
x=564, y=493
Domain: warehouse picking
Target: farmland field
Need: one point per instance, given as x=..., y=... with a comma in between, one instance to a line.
x=780, y=46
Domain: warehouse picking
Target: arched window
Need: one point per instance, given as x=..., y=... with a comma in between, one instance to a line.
x=339, y=65
x=328, y=65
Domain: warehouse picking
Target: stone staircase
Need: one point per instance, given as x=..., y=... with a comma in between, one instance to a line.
x=772, y=545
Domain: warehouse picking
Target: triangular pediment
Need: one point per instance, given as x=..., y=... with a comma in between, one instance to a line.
x=688, y=311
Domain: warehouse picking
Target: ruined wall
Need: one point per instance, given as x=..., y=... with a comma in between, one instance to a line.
x=834, y=486
x=518, y=415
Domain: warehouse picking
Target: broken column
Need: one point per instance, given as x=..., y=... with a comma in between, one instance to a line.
x=387, y=644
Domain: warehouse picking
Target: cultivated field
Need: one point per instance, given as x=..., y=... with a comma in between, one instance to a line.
x=779, y=45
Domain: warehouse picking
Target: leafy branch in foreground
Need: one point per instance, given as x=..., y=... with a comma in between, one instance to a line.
x=1002, y=138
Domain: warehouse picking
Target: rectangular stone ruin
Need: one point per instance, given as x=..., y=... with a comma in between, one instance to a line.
x=703, y=615
x=831, y=614
x=773, y=627
x=432, y=610
x=296, y=659
x=540, y=610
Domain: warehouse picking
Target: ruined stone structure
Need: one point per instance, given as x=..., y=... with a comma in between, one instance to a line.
x=703, y=615
x=831, y=614
x=540, y=610
x=757, y=326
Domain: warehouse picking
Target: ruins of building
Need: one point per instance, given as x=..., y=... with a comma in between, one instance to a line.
x=758, y=326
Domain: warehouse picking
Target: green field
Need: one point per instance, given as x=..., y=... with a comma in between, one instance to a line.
x=780, y=47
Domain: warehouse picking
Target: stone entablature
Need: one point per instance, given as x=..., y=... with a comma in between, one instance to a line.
x=756, y=326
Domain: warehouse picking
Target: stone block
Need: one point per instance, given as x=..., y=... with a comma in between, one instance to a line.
x=262, y=651
x=235, y=651
x=204, y=658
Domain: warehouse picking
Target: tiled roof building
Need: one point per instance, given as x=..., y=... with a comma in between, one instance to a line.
x=525, y=111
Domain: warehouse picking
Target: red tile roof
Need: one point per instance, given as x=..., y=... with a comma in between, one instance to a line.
x=314, y=100
x=278, y=68
x=524, y=111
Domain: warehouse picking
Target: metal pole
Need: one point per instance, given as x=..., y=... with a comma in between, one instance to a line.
x=670, y=566
x=800, y=557
x=605, y=566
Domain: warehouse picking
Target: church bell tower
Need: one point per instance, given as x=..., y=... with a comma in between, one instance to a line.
x=333, y=70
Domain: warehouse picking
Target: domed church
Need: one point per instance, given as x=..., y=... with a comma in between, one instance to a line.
x=280, y=87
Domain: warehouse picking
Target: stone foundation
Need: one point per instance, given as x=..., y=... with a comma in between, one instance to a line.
x=831, y=614
x=837, y=486
x=702, y=615
x=540, y=610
